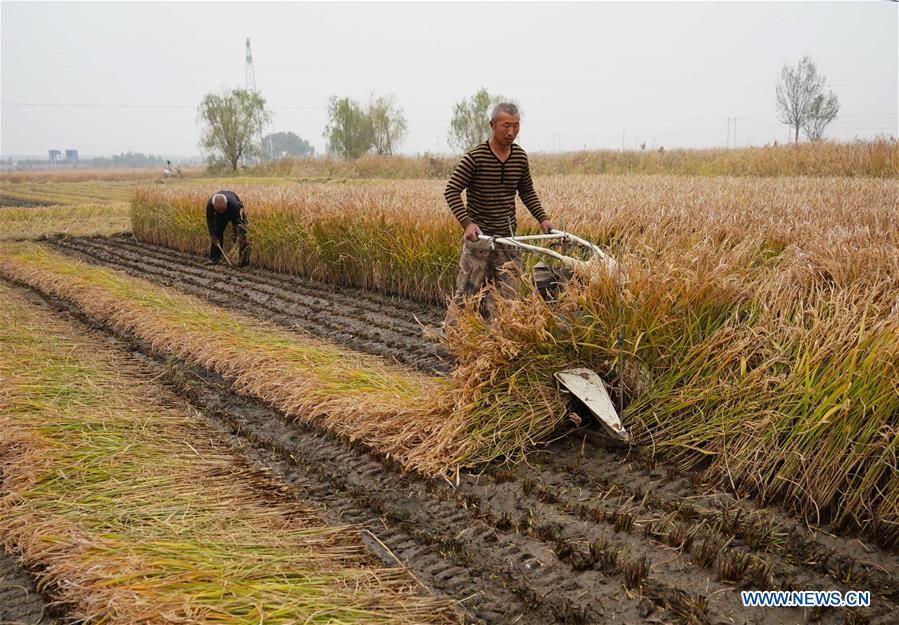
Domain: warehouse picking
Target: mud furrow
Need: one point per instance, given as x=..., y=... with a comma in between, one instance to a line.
x=384, y=306
x=586, y=528
x=19, y=600
x=349, y=325
x=376, y=308
x=361, y=336
x=796, y=555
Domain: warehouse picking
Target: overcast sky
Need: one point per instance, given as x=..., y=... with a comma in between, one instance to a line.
x=110, y=77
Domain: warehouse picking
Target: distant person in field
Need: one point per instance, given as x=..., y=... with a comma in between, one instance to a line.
x=493, y=172
x=222, y=209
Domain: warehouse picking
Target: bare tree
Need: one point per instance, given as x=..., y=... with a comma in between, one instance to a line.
x=388, y=125
x=801, y=102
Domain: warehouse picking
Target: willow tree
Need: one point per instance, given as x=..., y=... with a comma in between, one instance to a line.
x=470, y=124
x=232, y=125
x=349, y=132
x=388, y=124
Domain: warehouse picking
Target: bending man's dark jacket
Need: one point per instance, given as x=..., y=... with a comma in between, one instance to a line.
x=231, y=214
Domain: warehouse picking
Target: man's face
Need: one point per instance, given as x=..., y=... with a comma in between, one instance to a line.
x=505, y=128
x=220, y=205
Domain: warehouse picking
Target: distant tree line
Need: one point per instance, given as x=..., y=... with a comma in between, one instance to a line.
x=126, y=159
x=233, y=121
x=281, y=144
x=354, y=130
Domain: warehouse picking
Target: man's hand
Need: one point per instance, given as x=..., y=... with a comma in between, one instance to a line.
x=546, y=225
x=472, y=231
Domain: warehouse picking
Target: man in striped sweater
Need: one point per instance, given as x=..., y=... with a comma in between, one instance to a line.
x=493, y=172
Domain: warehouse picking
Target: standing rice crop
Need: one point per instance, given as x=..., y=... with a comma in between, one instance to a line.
x=399, y=237
x=756, y=334
x=781, y=394
x=876, y=158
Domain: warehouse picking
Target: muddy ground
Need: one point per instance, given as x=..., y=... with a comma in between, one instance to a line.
x=20, y=602
x=8, y=201
x=582, y=533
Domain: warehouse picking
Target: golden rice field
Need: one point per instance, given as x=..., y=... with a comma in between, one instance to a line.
x=764, y=309
x=198, y=451
x=44, y=207
x=878, y=158
x=86, y=219
x=90, y=174
x=37, y=204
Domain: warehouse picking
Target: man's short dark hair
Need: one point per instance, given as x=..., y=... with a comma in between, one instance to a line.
x=503, y=107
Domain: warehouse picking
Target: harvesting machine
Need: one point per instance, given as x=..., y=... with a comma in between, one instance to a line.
x=551, y=278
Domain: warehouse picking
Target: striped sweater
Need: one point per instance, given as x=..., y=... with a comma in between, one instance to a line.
x=492, y=185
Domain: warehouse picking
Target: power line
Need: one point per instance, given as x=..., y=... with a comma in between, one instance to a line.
x=604, y=120
x=99, y=105
x=137, y=106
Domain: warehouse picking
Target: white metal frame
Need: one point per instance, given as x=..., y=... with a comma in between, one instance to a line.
x=568, y=261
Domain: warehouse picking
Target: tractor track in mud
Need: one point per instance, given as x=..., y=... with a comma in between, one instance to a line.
x=580, y=534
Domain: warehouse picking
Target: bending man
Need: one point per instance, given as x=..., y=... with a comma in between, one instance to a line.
x=221, y=209
x=493, y=172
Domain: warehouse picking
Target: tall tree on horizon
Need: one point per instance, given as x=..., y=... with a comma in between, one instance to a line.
x=232, y=123
x=470, y=124
x=801, y=101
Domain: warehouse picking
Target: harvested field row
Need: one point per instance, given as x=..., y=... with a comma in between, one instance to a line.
x=68, y=193
x=527, y=550
x=41, y=221
x=91, y=174
x=136, y=514
x=363, y=321
x=420, y=421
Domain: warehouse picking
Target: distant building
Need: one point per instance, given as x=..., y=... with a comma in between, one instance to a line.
x=58, y=157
